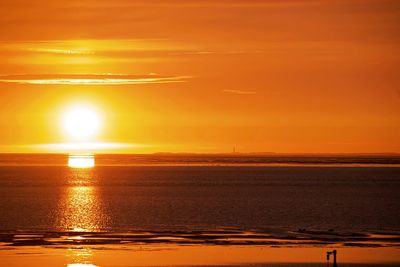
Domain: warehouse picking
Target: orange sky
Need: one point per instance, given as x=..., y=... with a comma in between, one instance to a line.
x=295, y=76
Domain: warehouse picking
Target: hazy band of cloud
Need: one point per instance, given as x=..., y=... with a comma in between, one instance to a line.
x=91, y=146
x=90, y=79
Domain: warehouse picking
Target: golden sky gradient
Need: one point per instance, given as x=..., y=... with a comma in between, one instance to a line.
x=301, y=76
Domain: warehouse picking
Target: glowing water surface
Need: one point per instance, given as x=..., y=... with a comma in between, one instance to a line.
x=80, y=206
x=81, y=161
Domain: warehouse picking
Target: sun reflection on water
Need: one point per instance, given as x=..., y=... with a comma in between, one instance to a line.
x=81, y=161
x=80, y=208
x=81, y=265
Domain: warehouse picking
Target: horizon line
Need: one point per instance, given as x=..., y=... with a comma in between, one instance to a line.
x=215, y=153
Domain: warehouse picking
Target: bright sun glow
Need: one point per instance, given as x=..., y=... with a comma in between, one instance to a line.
x=81, y=122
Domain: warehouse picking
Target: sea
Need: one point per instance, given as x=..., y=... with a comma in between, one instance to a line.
x=217, y=200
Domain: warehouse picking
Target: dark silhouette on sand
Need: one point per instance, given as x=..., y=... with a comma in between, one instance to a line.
x=328, y=254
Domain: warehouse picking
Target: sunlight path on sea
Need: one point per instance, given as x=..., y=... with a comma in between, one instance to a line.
x=80, y=206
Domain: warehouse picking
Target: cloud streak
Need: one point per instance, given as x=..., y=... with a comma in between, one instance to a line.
x=91, y=79
x=240, y=92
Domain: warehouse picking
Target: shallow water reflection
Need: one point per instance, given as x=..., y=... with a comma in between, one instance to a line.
x=80, y=257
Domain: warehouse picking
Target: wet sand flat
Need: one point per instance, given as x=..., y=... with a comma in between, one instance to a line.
x=191, y=255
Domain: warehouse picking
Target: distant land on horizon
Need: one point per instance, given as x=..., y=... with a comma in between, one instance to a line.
x=206, y=159
x=166, y=153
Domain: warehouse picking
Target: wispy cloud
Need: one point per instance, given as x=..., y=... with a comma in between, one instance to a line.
x=90, y=79
x=240, y=92
x=62, y=51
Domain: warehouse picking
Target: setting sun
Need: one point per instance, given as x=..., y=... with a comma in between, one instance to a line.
x=199, y=133
x=81, y=122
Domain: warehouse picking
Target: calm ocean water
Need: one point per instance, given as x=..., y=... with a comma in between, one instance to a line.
x=197, y=198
